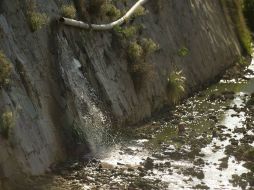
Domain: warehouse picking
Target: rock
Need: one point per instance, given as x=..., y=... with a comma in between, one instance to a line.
x=199, y=162
x=167, y=164
x=224, y=163
x=129, y=151
x=148, y=164
x=214, y=134
x=191, y=118
x=194, y=172
x=213, y=117
x=239, y=130
x=213, y=97
x=221, y=127
x=228, y=95
x=105, y=165
x=201, y=186
x=181, y=128
x=234, y=142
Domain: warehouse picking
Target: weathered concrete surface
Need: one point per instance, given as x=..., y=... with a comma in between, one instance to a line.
x=64, y=78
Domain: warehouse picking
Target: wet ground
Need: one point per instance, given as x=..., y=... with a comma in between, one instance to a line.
x=207, y=142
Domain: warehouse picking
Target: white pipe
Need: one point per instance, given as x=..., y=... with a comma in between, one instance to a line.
x=109, y=26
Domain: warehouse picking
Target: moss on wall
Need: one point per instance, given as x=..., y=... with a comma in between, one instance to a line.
x=234, y=10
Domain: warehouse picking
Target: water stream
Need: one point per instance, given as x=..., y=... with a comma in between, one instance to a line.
x=185, y=173
x=214, y=151
x=209, y=174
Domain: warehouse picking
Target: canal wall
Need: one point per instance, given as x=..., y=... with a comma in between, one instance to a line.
x=67, y=84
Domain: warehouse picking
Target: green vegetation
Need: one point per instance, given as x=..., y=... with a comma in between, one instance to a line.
x=248, y=10
x=36, y=20
x=182, y=52
x=149, y=46
x=135, y=52
x=175, y=86
x=6, y=122
x=68, y=11
x=137, y=49
x=141, y=11
x=110, y=10
x=95, y=9
x=139, y=68
x=5, y=70
x=128, y=32
x=235, y=11
x=243, y=62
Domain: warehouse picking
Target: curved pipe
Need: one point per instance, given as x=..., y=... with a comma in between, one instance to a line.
x=109, y=26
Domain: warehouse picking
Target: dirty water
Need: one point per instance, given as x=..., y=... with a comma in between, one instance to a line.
x=213, y=150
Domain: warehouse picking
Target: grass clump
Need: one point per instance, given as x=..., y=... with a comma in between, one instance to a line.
x=182, y=52
x=140, y=69
x=140, y=51
x=140, y=11
x=36, y=20
x=110, y=10
x=5, y=70
x=130, y=32
x=68, y=11
x=243, y=62
x=127, y=32
x=175, y=86
x=135, y=52
x=149, y=46
x=6, y=122
x=98, y=9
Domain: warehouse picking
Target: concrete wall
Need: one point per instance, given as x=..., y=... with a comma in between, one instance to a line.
x=66, y=78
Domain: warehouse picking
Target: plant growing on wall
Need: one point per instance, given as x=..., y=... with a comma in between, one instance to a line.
x=98, y=9
x=243, y=62
x=137, y=52
x=140, y=11
x=5, y=70
x=68, y=11
x=149, y=46
x=110, y=10
x=175, y=86
x=35, y=19
x=97, y=5
x=6, y=122
x=182, y=52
